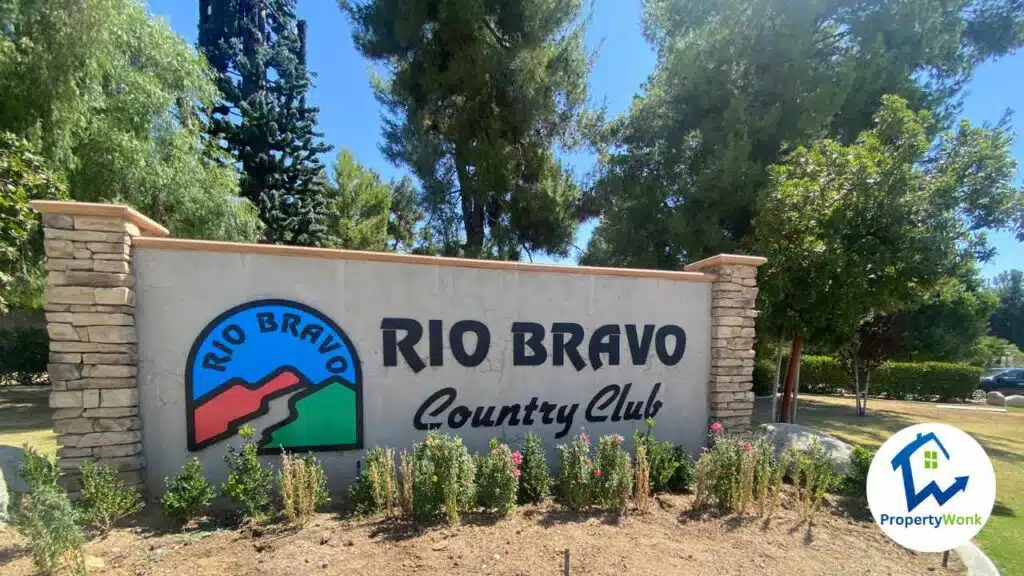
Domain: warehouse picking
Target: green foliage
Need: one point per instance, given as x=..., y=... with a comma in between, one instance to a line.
x=497, y=478
x=814, y=476
x=442, y=471
x=575, y=469
x=46, y=517
x=480, y=95
x=764, y=378
x=114, y=101
x=105, y=498
x=1007, y=320
x=302, y=486
x=376, y=489
x=739, y=84
x=991, y=351
x=683, y=476
x=664, y=459
x=262, y=119
x=535, y=478
x=897, y=380
x=855, y=481
x=23, y=177
x=249, y=482
x=735, y=471
x=947, y=325
x=24, y=353
x=188, y=493
x=612, y=477
x=359, y=206
x=37, y=470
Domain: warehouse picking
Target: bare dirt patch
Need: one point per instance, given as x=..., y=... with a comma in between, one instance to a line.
x=531, y=541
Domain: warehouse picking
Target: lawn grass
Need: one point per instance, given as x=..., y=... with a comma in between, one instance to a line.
x=999, y=433
x=25, y=418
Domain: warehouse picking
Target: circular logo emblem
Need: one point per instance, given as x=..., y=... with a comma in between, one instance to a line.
x=280, y=366
x=931, y=487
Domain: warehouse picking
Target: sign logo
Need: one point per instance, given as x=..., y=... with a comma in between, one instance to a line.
x=247, y=360
x=931, y=487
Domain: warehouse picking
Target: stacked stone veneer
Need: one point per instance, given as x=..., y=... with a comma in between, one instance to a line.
x=733, y=313
x=90, y=314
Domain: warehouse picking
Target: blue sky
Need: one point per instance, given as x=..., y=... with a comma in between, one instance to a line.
x=350, y=117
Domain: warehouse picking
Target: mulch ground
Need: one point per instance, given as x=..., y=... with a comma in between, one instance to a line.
x=670, y=540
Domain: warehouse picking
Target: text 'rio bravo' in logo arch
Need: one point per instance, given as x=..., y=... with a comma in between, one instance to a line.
x=263, y=351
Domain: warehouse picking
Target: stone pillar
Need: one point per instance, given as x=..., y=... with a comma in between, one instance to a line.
x=733, y=311
x=90, y=314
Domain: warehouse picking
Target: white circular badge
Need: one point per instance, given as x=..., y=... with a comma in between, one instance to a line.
x=931, y=487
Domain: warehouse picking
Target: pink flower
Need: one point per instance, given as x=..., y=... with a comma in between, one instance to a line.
x=585, y=438
x=747, y=446
x=517, y=458
x=618, y=439
x=517, y=474
x=716, y=427
x=579, y=480
x=598, y=473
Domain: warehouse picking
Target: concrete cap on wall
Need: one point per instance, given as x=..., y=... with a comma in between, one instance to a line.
x=145, y=224
x=724, y=260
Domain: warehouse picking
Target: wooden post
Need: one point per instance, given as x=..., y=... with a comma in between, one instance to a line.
x=566, y=562
x=945, y=558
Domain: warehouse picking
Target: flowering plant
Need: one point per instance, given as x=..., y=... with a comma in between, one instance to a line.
x=497, y=476
x=442, y=477
x=533, y=465
x=574, y=473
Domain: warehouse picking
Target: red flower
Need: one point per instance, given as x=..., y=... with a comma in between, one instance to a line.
x=747, y=446
x=598, y=473
x=716, y=427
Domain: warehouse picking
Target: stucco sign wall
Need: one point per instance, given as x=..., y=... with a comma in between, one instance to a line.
x=337, y=351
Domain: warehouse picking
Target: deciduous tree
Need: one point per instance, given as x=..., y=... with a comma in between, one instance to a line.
x=1007, y=320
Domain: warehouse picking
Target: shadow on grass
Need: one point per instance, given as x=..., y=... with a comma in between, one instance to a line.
x=1000, y=509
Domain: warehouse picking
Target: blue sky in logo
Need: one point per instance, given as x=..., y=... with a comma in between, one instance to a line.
x=262, y=352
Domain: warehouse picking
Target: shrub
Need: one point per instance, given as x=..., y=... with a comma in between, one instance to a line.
x=249, y=482
x=734, y=471
x=665, y=461
x=612, y=476
x=105, y=499
x=376, y=489
x=37, y=470
x=774, y=493
x=574, y=473
x=824, y=375
x=855, y=481
x=187, y=494
x=764, y=378
x=813, y=475
x=46, y=517
x=642, y=480
x=442, y=478
x=24, y=353
x=497, y=477
x=534, y=479
x=405, y=484
x=303, y=487
x=682, y=478
x=896, y=380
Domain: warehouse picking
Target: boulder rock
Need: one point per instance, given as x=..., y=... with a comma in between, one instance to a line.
x=995, y=399
x=10, y=480
x=1015, y=401
x=786, y=436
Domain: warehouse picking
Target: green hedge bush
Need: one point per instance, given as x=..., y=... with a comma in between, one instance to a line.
x=23, y=354
x=764, y=378
x=897, y=380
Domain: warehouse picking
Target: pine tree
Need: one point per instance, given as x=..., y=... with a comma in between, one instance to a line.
x=258, y=50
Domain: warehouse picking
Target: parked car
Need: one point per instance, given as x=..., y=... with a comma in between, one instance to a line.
x=1003, y=378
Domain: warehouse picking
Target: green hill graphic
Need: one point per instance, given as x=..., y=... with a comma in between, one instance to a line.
x=326, y=417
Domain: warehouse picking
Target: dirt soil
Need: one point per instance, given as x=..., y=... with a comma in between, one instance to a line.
x=531, y=541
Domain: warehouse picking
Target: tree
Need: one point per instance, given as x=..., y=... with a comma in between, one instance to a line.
x=990, y=351
x=113, y=101
x=23, y=177
x=851, y=232
x=479, y=94
x=262, y=120
x=947, y=324
x=740, y=84
x=405, y=216
x=1007, y=321
x=360, y=206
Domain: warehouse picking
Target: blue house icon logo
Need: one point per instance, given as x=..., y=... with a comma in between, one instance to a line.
x=902, y=460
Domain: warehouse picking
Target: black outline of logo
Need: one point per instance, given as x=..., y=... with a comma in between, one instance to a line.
x=191, y=404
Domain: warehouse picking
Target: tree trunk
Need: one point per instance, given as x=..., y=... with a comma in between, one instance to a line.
x=775, y=389
x=787, y=390
x=796, y=394
x=867, y=387
x=856, y=387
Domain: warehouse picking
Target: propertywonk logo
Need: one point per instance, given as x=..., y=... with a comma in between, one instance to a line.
x=931, y=487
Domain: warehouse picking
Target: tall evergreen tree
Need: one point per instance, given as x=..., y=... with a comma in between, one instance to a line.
x=258, y=49
x=479, y=94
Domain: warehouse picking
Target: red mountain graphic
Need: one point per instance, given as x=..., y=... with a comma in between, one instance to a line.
x=239, y=400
